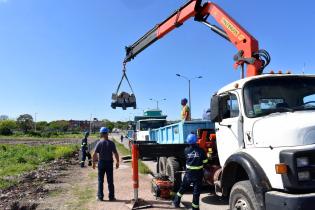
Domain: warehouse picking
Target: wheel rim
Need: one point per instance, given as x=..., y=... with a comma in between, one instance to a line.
x=241, y=204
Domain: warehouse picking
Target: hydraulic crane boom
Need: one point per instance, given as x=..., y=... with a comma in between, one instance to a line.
x=247, y=45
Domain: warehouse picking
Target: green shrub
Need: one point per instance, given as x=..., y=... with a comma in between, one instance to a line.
x=7, y=127
x=6, y=131
x=34, y=134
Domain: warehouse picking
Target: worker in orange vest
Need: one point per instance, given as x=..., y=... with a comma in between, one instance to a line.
x=185, y=115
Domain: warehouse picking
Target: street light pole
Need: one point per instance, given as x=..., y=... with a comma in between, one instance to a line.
x=91, y=123
x=35, y=121
x=157, y=101
x=189, y=81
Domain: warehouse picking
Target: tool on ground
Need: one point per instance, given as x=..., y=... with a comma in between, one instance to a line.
x=162, y=187
x=124, y=99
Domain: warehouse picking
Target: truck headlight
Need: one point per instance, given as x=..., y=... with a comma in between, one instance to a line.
x=302, y=161
x=304, y=175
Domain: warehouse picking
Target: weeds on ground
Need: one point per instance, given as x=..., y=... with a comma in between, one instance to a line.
x=49, y=135
x=93, y=175
x=55, y=192
x=122, y=149
x=82, y=197
x=16, y=159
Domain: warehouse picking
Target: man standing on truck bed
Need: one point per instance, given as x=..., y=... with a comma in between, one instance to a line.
x=103, y=153
x=195, y=158
x=185, y=115
x=84, y=150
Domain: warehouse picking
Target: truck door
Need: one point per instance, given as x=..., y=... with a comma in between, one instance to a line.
x=227, y=130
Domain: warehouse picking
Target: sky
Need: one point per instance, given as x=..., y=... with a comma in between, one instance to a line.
x=62, y=59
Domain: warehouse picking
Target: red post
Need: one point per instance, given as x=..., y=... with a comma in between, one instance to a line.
x=135, y=170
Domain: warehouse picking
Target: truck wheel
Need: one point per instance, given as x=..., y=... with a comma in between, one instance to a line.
x=172, y=166
x=162, y=165
x=242, y=197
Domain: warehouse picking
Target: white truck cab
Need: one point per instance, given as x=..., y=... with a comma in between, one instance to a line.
x=265, y=130
x=143, y=128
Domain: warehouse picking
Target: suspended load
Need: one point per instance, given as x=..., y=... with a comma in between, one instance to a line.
x=124, y=99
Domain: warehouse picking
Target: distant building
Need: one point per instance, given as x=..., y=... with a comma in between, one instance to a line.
x=4, y=117
x=84, y=125
x=151, y=114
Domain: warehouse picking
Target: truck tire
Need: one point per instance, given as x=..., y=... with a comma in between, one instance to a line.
x=242, y=197
x=162, y=165
x=172, y=166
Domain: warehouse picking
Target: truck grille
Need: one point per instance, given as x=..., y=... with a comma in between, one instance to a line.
x=300, y=176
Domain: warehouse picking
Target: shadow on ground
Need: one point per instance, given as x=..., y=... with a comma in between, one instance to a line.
x=215, y=200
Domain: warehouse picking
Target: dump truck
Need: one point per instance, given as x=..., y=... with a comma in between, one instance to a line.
x=262, y=147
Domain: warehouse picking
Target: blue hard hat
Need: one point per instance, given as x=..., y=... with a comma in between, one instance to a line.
x=104, y=130
x=184, y=101
x=191, y=139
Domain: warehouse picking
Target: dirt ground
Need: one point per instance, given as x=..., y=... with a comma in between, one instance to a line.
x=34, y=186
x=63, y=185
x=77, y=190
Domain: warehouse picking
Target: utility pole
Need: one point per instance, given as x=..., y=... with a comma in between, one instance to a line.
x=35, y=121
x=157, y=101
x=189, y=81
x=91, y=123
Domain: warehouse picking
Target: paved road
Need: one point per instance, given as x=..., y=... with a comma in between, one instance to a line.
x=207, y=198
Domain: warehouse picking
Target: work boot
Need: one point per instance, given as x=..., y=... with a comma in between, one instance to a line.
x=176, y=202
x=99, y=199
x=90, y=163
x=112, y=199
x=194, y=207
x=175, y=205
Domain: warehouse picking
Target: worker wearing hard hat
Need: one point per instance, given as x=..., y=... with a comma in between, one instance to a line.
x=84, y=150
x=195, y=158
x=185, y=115
x=103, y=154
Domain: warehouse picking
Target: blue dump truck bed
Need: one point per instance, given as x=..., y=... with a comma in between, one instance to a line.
x=178, y=132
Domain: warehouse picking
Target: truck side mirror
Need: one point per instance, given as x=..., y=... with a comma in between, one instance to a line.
x=215, y=115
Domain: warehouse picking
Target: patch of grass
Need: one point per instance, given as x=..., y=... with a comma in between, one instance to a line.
x=55, y=193
x=83, y=195
x=122, y=149
x=143, y=169
x=16, y=159
x=5, y=183
x=93, y=175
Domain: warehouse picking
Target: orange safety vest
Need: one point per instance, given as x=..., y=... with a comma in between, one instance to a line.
x=183, y=114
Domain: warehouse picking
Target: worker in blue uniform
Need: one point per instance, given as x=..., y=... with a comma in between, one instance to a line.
x=84, y=150
x=195, y=159
x=104, y=151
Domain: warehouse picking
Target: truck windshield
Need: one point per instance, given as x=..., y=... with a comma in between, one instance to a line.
x=146, y=125
x=279, y=94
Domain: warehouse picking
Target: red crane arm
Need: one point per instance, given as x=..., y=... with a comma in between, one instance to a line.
x=247, y=45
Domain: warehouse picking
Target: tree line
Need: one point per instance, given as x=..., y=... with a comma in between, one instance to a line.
x=25, y=125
